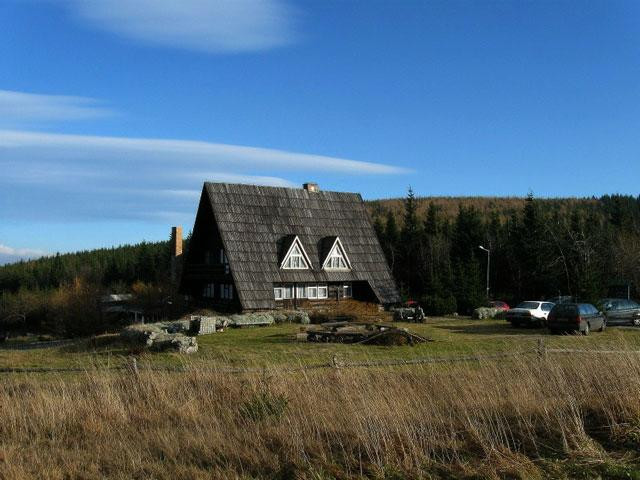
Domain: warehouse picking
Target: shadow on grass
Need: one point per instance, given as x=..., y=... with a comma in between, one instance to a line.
x=481, y=328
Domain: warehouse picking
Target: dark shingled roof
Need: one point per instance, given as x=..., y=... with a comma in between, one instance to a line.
x=257, y=223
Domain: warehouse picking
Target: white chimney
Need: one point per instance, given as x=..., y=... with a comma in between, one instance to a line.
x=311, y=187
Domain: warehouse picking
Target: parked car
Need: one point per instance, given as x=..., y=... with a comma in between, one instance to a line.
x=576, y=317
x=619, y=311
x=498, y=305
x=529, y=313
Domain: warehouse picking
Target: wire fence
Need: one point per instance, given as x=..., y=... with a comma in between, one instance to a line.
x=132, y=364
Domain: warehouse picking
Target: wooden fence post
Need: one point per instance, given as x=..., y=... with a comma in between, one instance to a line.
x=542, y=349
x=134, y=365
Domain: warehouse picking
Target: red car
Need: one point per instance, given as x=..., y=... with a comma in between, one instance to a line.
x=499, y=305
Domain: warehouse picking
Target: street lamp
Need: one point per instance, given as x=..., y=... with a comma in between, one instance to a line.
x=488, y=264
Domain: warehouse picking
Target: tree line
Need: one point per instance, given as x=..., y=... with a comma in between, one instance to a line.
x=60, y=294
x=539, y=248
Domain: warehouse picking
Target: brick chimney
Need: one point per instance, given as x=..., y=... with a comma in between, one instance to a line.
x=311, y=187
x=176, y=253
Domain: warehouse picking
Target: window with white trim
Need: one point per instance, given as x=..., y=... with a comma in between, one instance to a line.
x=301, y=291
x=209, y=290
x=337, y=258
x=323, y=291
x=277, y=293
x=312, y=291
x=346, y=291
x=287, y=292
x=296, y=259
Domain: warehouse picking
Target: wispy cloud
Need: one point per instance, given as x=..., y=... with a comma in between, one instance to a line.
x=19, y=107
x=213, y=26
x=76, y=177
x=185, y=154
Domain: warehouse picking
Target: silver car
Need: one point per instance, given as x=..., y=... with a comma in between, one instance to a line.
x=530, y=313
x=620, y=311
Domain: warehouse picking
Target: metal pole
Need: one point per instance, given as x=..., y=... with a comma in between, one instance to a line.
x=488, y=266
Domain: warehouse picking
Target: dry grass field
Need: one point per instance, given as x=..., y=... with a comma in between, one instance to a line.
x=523, y=416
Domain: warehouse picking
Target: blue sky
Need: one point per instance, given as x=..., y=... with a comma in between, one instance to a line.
x=113, y=112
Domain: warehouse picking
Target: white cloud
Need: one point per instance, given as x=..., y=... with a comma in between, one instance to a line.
x=183, y=156
x=20, y=252
x=53, y=177
x=213, y=26
x=17, y=107
x=236, y=178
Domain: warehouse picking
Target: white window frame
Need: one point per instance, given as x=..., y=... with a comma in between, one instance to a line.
x=332, y=257
x=299, y=287
x=302, y=257
x=326, y=291
x=287, y=291
x=314, y=289
x=277, y=293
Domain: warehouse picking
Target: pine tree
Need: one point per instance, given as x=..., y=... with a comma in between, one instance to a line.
x=391, y=241
x=411, y=252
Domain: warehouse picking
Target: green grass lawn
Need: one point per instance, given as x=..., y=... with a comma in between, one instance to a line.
x=276, y=345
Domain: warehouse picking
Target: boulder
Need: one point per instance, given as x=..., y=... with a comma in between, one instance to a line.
x=176, y=342
x=482, y=313
x=157, y=337
x=141, y=334
x=201, y=325
x=293, y=316
x=251, y=319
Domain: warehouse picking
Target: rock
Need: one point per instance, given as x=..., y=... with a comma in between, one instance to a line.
x=141, y=334
x=200, y=325
x=249, y=319
x=156, y=337
x=482, y=313
x=175, y=342
x=296, y=316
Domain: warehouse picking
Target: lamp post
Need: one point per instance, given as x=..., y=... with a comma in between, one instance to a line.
x=488, y=265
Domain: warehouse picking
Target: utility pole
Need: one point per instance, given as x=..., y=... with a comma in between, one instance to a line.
x=488, y=265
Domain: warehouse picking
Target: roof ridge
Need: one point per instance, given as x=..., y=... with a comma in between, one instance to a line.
x=274, y=187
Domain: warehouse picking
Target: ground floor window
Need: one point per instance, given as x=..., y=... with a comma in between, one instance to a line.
x=290, y=291
x=209, y=290
x=347, y=293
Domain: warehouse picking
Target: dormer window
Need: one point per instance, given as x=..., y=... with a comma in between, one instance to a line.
x=337, y=258
x=296, y=258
